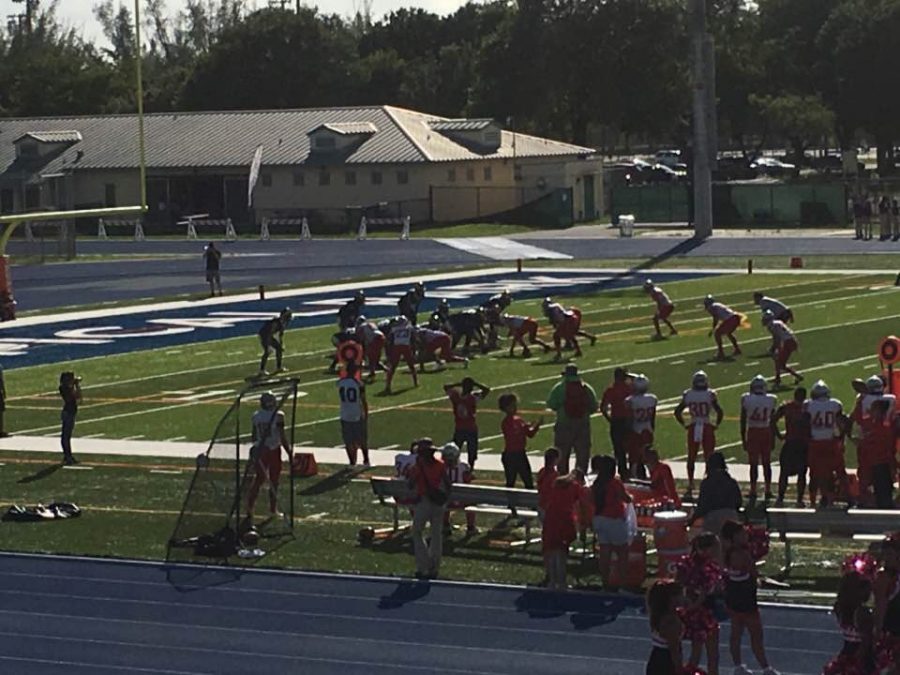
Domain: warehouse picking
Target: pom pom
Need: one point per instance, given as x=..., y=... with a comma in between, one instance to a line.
x=698, y=573
x=864, y=564
x=699, y=623
x=758, y=542
x=845, y=664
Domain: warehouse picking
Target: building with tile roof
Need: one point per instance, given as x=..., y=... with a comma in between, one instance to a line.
x=328, y=163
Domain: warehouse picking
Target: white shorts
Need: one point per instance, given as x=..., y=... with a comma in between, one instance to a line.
x=611, y=531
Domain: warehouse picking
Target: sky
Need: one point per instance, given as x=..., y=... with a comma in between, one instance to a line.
x=79, y=13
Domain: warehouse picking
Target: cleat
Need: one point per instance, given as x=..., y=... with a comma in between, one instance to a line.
x=593, y=340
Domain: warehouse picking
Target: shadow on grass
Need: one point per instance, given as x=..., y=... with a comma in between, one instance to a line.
x=335, y=481
x=46, y=472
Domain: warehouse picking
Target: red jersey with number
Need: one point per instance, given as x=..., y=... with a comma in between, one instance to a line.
x=614, y=397
x=464, y=408
x=794, y=426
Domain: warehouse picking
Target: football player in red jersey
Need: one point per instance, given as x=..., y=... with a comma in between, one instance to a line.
x=435, y=345
x=785, y=345
x=465, y=396
x=664, y=307
x=793, y=458
x=757, y=432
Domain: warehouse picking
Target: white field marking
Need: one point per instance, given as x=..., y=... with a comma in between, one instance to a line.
x=71, y=467
x=485, y=449
x=881, y=307
x=854, y=306
x=178, y=392
x=172, y=351
x=676, y=363
x=680, y=458
x=50, y=435
x=175, y=438
x=750, y=364
x=205, y=351
x=165, y=471
x=304, y=443
x=93, y=436
x=132, y=438
x=655, y=359
x=602, y=360
x=393, y=446
x=315, y=516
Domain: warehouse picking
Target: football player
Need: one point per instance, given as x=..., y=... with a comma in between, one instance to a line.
x=464, y=398
x=725, y=322
x=781, y=311
x=493, y=308
x=700, y=401
x=664, y=307
x=822, y=417
x=642, y=413
x=271, y=336
x=458, y=472
x=350, y=311
x=269, y=438
x=435, y=345
x=784, y=344
x=521, y=327
x=354, y=414
x=567, y=326
x=409, y=303
x=467, y=325
x=372, y=339
x=400, y=347
x=758, y=432
x=794, y=452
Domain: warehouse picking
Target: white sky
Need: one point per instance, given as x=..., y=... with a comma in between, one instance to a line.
x=79, y=13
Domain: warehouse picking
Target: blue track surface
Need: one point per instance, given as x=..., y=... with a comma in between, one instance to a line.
x=77, y=616
x=54, y=341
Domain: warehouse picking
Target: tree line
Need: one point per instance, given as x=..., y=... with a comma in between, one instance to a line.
x=608, y=73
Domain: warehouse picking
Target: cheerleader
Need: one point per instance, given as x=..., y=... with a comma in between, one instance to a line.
x=886, y=591
x=558, y=531
x=740, y=597
x=666, y=628
x=855, y=621
x=701, y=575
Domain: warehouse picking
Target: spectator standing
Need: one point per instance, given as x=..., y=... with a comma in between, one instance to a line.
x=615, y=410
x=884, y=218
x=868, y=209
x=573, y=401
x=858, y=211
x=895, y=219
x=212, y=256
x=516, y=433
x=354, y=414
x=545, y=479
x=3, y=433
x=610, y=521
x=720, y=496
x=558, y=530
x=70, y=392
x=464, y=398
x=432, y=485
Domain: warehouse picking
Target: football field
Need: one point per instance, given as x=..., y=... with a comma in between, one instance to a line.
x=179, y=393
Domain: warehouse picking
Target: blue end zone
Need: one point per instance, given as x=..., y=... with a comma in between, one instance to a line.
x=51, y=340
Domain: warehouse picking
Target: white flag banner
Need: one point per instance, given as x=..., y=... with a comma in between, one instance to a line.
x=254, y=174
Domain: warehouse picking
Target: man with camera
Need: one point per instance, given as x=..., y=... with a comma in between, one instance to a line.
x=70, y=393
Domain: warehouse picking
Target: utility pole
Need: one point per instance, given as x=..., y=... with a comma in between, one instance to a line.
x=28, y=17
x=704, y=117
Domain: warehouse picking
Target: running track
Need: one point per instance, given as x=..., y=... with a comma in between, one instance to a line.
x=60, y=615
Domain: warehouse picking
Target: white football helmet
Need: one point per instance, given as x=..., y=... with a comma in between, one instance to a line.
x=875, y=385
x=820, y=390
x=450, y=453
x=758, y=385
x=700, y=380
x=708, y=300
x=641, y=384
x=360, y=320
x=648, y=284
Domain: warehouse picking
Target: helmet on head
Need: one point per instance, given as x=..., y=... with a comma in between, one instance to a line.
x=708, y=300
x=700, y=380
x=360, y=320
x=450, y=453
x=758, y=385
x=547, y=302
x=419, y=287
x=444, y=302
x=360, y=296
x=820, y=390
x=640, y=384
x=286, y=313
x=768, y=317
x=267, y=401
x=875, y=385
x=648, y=284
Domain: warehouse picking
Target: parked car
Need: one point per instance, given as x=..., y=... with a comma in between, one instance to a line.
x=735, y=168
x=669, y=158
x=771, y=166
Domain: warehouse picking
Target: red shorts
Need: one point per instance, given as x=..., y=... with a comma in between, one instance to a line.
x=635, y=444
x=728, y=326
x=824, y=458
x=529, y=329
x=397, y=352
x=268, y=464
x=665, y=311
x=373, y=351
x=441, y=345
x=570, y=325
x=708, y=443
x=759, y=445
x=787, y=348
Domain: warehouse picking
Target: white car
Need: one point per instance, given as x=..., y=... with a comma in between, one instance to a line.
x=669, y=158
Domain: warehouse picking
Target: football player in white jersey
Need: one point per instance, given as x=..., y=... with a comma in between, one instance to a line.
x=700, y=401
x=823, y=415
x=781, y=311
x=664, y=307
x=724, y=322
x=404, y=463
x=354, y=414
x=400, y=347
x=521, y=327
x=758, y=432
x=642, y=412
x=874, y=391
x=373, y=340
x=459, y=472
x=269, y=438
x=784, y=344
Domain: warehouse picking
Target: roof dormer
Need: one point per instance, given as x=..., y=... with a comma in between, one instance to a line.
x=479, y=135
x=34, y=145
x=340, y=136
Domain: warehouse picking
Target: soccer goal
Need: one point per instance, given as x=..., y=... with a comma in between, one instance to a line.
x=235, y=474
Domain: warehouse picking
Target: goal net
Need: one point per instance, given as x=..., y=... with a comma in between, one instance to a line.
x=215, y=524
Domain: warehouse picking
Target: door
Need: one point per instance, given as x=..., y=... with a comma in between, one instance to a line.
x=590, y=205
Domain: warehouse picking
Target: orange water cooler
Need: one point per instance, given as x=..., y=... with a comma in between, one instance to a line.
x=670, y=535
x=637, y=564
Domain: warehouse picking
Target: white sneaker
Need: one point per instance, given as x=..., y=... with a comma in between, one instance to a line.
x=741, y=669
x=770, y=671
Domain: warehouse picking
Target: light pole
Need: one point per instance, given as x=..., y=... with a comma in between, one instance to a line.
x=703, y=83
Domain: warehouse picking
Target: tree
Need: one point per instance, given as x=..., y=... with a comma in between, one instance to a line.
x=801, y=120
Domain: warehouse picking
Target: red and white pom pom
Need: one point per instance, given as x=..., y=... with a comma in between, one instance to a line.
x=698, y=573
x=864, y=564
x=758, y=542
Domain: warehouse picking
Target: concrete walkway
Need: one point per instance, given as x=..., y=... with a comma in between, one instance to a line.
x=83, y=447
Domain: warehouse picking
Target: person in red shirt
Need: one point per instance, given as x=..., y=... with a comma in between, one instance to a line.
x=464, y=398
x=793, y=457
x=516, y=433
x=432, y=485
x=610, y=522
x=616, y=412
x=878, y=445
x=559, y=529
x=545, y=479
x=662, y=482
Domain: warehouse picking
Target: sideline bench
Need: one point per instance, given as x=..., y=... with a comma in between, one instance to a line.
x=788, y=525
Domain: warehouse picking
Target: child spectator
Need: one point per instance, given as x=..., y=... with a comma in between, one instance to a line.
x=516, y=432
x=740, y=597
x=559, y=528
x=459, y=472
x=546, y=478
x=662, y=482
x=610, y=523
x=666, y=628
x=464, y=398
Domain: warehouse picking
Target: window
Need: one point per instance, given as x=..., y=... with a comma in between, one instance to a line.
x=324, y=178
x=267, y=180
x=470, y=175
x=110, y=194
x=350, y=178
x=488, y=173
x=299, y=179
x=325, y=142
x=451, y=175
x=402, y=177
x=376, y=178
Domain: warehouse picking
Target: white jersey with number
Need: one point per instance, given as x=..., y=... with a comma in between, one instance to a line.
x=267, y=425
x=781, y=332
x=823, y=417
x=721, y=312
x=865, y=405
x=759, y=409
x=461, y=473
x=772, y=305
x=643, y=409
x=700, y=404
x=404, y=463
x=401, y=334
x=351, y=391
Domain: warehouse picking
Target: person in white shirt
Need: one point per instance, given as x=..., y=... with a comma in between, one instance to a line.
x=642, y=412
x=269, y=438
x=780, y=310
x=725, y=322
x=400, y=341
x=784, y=344
x=700, y=401
x=354, y=414
x=823, y=415
x=758, y=433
